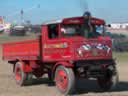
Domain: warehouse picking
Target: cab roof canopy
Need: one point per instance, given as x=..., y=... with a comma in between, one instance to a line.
x=75, y=20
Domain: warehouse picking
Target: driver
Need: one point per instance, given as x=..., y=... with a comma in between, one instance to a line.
x=87, y=20
x=87, y=24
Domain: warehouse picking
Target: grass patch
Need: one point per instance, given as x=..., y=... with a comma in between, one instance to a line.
x=121, y=56
x=6, y=38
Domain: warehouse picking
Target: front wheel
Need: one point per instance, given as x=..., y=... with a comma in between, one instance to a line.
x=65, y=80
x=108, y=83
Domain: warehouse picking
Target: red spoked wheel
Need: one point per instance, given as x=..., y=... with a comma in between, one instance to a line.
x=21, y=77
x=64, y=78
x=18, y=73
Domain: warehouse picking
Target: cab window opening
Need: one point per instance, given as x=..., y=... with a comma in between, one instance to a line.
x=53, y=31
x=82, y=30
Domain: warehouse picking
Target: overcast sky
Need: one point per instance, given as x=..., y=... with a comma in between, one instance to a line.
x=38, y=11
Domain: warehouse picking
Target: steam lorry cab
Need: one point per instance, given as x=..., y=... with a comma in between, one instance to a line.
x=67, y=49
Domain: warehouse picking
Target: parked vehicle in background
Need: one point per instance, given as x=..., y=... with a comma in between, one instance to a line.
x=120, y=42
x=18, y=31
x=1, y=29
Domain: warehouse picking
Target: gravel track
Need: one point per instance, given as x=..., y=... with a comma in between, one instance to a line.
x=43, y=87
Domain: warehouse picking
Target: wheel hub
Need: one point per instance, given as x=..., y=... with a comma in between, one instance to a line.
x=18, y=74
x=62, y=80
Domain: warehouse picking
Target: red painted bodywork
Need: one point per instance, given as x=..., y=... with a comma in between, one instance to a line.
x=25, y=67
x=25, y=50
x=59, y=49
x=80, y=20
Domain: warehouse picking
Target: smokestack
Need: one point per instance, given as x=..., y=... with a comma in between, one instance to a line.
x=83, y=5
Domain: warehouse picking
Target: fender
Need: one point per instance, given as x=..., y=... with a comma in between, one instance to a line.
x=66, y=64
x=25, y=67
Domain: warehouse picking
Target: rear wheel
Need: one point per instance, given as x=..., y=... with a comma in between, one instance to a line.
x=21, y=77
x=65, y=79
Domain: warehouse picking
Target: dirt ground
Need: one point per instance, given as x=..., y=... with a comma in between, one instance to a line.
x=42, y=87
